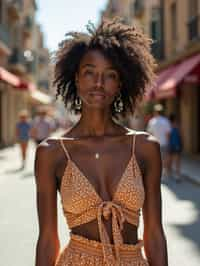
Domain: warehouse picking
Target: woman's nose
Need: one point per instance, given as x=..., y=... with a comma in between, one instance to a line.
x=99, y=81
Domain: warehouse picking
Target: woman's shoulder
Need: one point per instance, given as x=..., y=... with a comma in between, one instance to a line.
x=50, y=148
x=147, y=145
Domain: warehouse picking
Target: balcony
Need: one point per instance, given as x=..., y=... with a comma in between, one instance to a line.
x=193, y=28
x=30, y=61
x=139, y=8
x=17, y=61
x=14, y=8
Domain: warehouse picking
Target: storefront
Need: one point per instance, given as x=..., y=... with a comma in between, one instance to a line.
x=178, y=88
x=15, y=95
x=12, y=90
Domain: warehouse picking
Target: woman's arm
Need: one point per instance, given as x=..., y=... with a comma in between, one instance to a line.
x=154, y=238
x=48, y=243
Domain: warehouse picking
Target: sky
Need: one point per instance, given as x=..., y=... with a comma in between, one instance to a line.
x=57, y=17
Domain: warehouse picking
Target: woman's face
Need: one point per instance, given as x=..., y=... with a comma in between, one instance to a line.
x=97, y=80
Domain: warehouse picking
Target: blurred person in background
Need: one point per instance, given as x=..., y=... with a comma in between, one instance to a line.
x=106, y=173
x=42, y=126
x=23, y=128
x=159, y=126
x=175, y=148
x=54, y=118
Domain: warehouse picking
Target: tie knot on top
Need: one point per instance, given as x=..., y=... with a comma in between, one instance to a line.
x=107, y=210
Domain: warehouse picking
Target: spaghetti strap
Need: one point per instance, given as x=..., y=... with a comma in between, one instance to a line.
x=64, y=149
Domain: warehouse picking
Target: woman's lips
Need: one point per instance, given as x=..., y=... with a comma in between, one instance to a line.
x=97, y=94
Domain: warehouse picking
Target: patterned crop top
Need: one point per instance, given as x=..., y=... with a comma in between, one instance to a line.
x=82, y=204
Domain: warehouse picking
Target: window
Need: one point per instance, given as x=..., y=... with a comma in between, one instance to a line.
x=173, y=22
x=138, y=7
x=155, y=24
x=193, y=8
x=193, y=20
x=1, y=11
x=155, y=29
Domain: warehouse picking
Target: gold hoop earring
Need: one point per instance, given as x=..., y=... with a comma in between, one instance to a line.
x=118, y=104
x=78, y=103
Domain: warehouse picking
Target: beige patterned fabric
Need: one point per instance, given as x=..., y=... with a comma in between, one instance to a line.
x=84, y=252
x=82, y=204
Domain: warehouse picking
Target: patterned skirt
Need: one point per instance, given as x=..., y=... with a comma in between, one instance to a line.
x=82, y=251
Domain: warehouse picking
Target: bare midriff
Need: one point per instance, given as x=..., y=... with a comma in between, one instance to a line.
x=90, y=231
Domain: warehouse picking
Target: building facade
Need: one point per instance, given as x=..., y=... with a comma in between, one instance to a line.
x=22, y=56
x=174, y=26
x=179, y=89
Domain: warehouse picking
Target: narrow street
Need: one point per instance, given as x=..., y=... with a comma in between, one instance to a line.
x=18, y=217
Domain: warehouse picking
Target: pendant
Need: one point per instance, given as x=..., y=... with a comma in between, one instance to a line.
x=97, y=155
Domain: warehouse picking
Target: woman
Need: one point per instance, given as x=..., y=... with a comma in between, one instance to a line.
x=23, y=127
x=101, y=75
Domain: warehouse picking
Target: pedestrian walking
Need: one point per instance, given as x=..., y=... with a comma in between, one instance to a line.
x=106, y=173
x=23, y=127
x=42, y=126
x=175, y=148
x=159, y=126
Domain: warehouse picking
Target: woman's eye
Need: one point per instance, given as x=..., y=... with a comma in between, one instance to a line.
x=88, y=72
x=111, y=75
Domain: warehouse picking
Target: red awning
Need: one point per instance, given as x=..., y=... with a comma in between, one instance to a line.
x=12, y=79
x=161, y=78
x=168, y=79
x=18, y=83
x=182, y=71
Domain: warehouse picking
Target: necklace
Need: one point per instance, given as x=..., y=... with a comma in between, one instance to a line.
x=97, y=155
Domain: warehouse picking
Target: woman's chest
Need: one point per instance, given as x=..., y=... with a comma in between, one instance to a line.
x=79, y=191
x=103, y=172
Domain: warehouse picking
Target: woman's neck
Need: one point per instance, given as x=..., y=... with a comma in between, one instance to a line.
x=98, y=123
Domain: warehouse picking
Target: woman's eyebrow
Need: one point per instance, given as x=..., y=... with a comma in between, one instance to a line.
x=91, y=65
x=111, y=68
x=88, y=65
